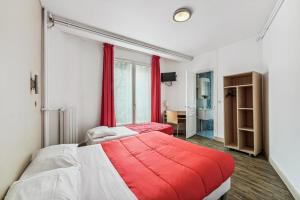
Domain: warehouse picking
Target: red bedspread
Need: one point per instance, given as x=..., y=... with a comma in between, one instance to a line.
x=150, y=127
x=158, y=166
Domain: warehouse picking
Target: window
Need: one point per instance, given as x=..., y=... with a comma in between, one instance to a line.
x=142, y=93
x=123, y=92
x=132, y=86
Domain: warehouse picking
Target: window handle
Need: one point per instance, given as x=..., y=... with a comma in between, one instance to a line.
x=134, y=106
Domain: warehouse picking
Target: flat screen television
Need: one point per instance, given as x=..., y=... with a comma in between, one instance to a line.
x=168, y=77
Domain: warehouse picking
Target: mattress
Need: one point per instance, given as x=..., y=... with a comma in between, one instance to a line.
x=157, y=166
x=150, y=127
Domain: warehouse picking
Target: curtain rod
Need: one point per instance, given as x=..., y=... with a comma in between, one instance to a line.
x=54, y=19
x=272, y=16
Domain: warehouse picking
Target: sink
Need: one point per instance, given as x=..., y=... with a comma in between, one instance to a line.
x=205, y=114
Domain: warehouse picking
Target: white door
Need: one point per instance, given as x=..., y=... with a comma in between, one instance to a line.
x=190, y=104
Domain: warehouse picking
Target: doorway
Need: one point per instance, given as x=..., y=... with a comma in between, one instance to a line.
x=204, y=104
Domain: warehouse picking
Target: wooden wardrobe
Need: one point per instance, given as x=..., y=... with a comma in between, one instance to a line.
x=243, y=112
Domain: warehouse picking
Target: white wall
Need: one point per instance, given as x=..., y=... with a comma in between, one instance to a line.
x=127, y=54
x=175, y=94
x=75, y=77
x=20, y=119
x=281, y=59
x=242, y=56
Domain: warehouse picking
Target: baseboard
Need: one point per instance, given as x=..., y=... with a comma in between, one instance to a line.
x=219, y=139
x=288, y=184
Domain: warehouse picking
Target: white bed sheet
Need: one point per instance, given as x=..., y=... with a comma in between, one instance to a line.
x=120, y=131
x=100, y=180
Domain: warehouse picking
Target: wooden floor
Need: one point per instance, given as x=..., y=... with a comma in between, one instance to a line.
x=254, y=177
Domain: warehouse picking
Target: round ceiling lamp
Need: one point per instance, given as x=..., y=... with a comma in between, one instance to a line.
x=182, y=15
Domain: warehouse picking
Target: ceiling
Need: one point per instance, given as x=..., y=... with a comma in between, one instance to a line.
x=214, y=23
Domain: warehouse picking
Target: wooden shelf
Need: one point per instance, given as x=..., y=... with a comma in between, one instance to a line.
x=245, y=108
x=245, y=97
x=242, y=112
x=249, y=129
x=238, y=79
x=246, y=140
x=246, y=85
x=230, y=87
x=245, y=119
x=249, y=150
x=232, y=146
x=236, y=86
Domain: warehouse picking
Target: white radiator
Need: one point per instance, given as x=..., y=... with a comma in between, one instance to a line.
x=67, y=126
x=60, y=126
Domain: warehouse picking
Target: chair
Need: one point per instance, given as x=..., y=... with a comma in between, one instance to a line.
x=172, y=118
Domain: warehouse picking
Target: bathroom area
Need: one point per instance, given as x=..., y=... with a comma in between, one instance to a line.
x=204, y=103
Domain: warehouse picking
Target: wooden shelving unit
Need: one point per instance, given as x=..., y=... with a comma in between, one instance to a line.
x=242, y=112
x=245, y=108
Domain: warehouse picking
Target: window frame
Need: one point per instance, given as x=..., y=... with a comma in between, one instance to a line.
x=133, y=83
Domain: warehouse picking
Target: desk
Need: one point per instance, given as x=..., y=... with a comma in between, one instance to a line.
x=181, y=117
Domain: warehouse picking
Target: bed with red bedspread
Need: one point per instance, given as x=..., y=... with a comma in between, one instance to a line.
x=150, y=127
x=158, y=166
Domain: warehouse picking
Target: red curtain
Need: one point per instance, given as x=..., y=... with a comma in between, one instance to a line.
x=155, y=89
x=108, y=116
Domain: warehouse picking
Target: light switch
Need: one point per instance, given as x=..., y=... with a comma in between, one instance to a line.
x=34, y=83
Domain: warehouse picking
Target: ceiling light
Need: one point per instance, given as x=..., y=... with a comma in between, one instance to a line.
x=182, y=15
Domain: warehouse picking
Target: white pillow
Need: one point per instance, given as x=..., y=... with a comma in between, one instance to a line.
x=59, y=184
x=101, y=131
x=53, y=157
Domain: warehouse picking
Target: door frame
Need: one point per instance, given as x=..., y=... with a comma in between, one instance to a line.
x=189, y=107
x=214, y=96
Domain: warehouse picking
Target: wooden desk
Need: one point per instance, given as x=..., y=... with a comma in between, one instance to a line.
x=181, y=117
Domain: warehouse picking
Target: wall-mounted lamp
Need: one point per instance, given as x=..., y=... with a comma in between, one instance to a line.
x=34, y=84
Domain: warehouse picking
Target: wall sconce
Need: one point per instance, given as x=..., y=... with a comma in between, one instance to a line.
x=34, y=84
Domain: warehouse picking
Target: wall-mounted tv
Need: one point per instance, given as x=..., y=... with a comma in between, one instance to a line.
x=168, y=77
